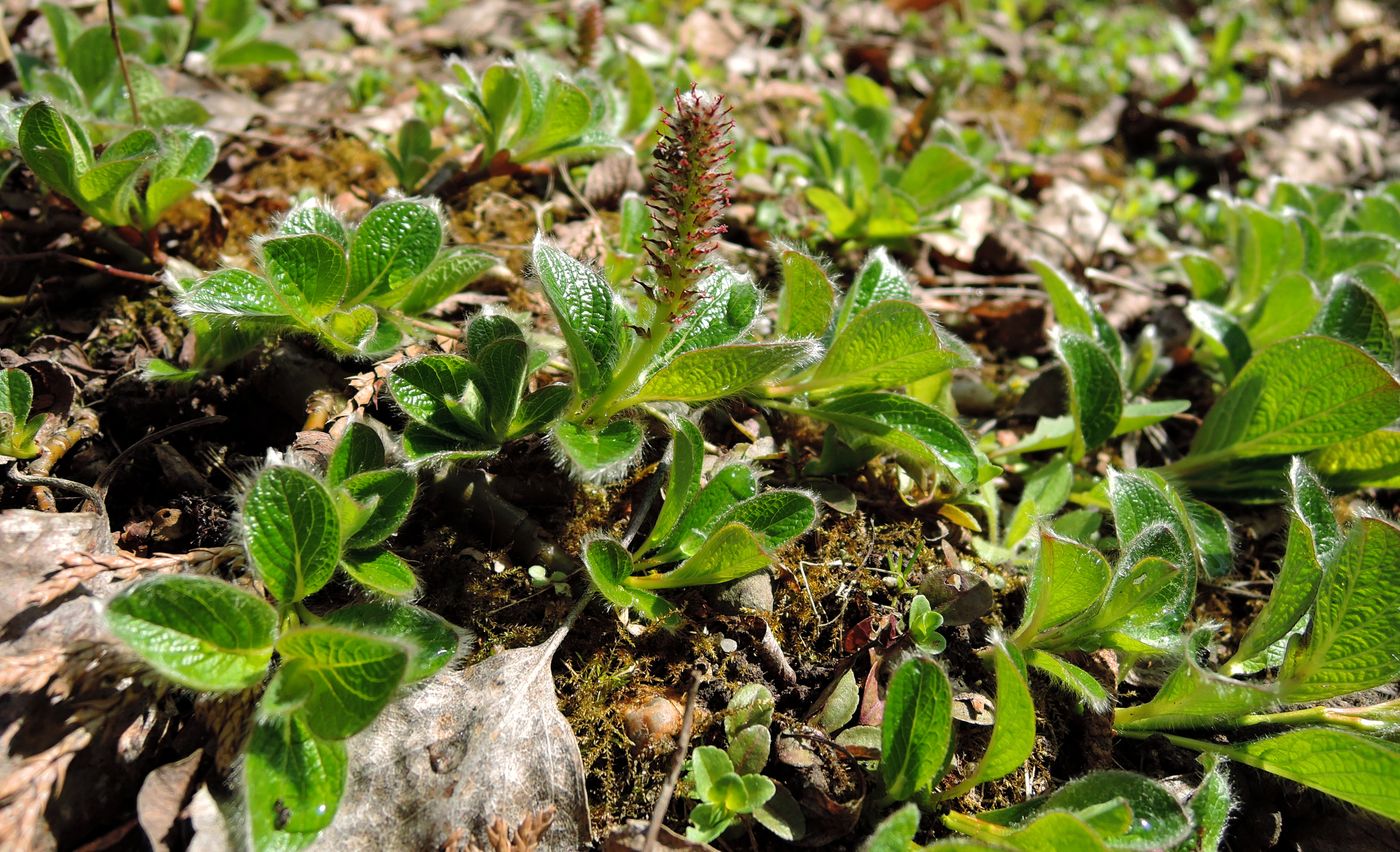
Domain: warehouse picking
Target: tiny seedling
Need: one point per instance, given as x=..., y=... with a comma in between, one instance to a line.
x=17, y=428
x=729, y=783
x=723, y=531
x=132, y=182
x=467, y=407
x=333, y=674
x=354, y=290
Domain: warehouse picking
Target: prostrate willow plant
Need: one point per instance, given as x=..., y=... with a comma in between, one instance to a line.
x=135, y=179
x=353, y=290
x=875, y=339
x=334, y=673
x=467, y=407
x=17, y=428
x=723, y=531
x=530, y=110
x=679, y=342
x=1330, y=629
x=1076, y=600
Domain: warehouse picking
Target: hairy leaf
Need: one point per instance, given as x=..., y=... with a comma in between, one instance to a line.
x=916, y=735
x=350, y=676
x=202, y=633
x=291, y=532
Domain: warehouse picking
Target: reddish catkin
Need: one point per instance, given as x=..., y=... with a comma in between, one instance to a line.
x=590, y=31
x=691, y=191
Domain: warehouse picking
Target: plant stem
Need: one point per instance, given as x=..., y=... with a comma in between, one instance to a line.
x=7, y=53
x=121, y=60
x=1318, y=715
x=107, y=268
x=435, y=328
x=641, y=356
x=663, y=801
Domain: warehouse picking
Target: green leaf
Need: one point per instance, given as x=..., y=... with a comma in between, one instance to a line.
x=1266, y=246
x=751, y=704
x=609, y=565
x=16, y=394
x=294, y=782
x=782, y=815
x=731, y=553
x=937, y=176
x=1226, y=338
x=394, y=244
x=291, y=532
x=1207, y=279
x=1298, y=395
x=729, y=307
x=917, y=434
x=565, y=116
x=423, y=445
x=749, y=749
x=1095, y=391
x=424, y=387
x=1351, y=313
x=1371, y=461
x=1212, y=803
x=539, y=409
x=1046, y=492
x=381, y=571
x=433, y=639
x=202, y=633
x=880, y=278
x=1051, y=832
x=351, y=676
x=314, y=216
x=806, y=300
x=1194, y=696
x=728, y=486
x=1299, y=573
x=234, y=293
x=503, y=366
x=92, y=59
x=253, y=53
x=916, y=735
x=1013, y=735
x=54, y=147
x=1353, y=640
x=840, y=705
x=840, y=218
x=702, y=375
x=777, y=516
x=1356, y=768
x=360, y=450
x=682, y=481
x=599, y=452
x=1284, y=311
x=1076, y=311
x=448, y=275
x=707, y=822
x=1070, y=677
x=309, y=269
x=890, y=344
x=1067, y=581
x=1146, y=815
x=585, y=308
x=389, y=494
x=896, y=832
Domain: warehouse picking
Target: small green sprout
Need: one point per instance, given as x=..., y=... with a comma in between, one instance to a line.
x=17, y=428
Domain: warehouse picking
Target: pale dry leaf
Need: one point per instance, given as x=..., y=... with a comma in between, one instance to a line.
x=163, y=796
x=460, y=751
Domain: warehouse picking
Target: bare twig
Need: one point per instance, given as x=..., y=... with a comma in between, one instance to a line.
x=104, y=480
x=54, y=448
x=663, y=802
x=7, y=53
x=121, y=60
x=115, y=272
